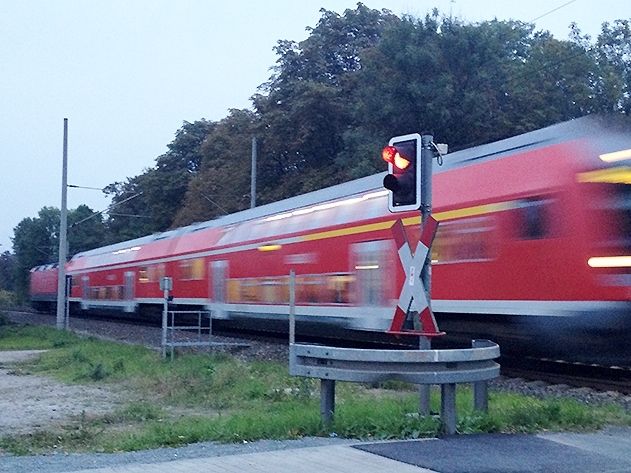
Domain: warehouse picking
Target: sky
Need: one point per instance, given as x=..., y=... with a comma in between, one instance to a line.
x=128, y=73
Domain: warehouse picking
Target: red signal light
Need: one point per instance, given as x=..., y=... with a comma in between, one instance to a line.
x=388, y=154
x=391, y=155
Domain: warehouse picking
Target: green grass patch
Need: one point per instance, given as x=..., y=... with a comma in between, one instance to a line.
x=199, y=397
x=18, y=337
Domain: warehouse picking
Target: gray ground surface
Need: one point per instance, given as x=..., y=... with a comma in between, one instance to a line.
x=57, y=463
x=29, y=402
x=608, y=451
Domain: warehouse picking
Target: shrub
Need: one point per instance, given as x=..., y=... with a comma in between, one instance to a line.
x=7, y=299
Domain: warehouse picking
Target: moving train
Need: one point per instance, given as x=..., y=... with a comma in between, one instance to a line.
x=533, y=250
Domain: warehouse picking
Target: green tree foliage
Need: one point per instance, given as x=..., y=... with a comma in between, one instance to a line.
x=7, y=270
x=221, y=184
x=86, y=230
x=613, y=55
x=36, y=240
x=149, y=202
x=306, y=108
x=469, y=84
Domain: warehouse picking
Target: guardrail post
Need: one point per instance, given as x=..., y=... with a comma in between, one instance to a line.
x=480, y=388
x=448, y=408
x=424, y=390
x=327, y=401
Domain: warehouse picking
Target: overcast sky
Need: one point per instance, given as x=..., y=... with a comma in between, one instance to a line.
x=127, y=73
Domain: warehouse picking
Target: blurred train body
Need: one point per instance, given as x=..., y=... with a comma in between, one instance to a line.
x=533, y=249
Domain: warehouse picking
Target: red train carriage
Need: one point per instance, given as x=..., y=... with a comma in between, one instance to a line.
x=43, y=286
x=534, y=235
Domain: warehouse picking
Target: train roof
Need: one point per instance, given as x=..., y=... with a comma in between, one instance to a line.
x=592, y=126
x=573, y=129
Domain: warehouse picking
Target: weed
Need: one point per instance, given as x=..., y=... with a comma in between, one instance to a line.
x=98, y=373
x=252, y=401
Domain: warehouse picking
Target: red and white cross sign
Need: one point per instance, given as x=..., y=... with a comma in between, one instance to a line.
x=413, y=296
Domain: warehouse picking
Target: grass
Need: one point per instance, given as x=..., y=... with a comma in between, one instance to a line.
x=217, y=397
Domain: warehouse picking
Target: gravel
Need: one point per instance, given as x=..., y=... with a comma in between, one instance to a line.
x=244, y=349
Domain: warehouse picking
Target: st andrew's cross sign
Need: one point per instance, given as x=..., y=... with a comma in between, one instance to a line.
x=413, y=298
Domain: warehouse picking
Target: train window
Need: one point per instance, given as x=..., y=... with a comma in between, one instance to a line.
x=143, y=275
x=192, y=269
x=275, y=290
x=155, y=272
x=534, y=218
x=250, y=290
x=463, y=240
x=233, y=291
x=339, y=288
x=372, y=267
x=309, y=289
x=613, y=205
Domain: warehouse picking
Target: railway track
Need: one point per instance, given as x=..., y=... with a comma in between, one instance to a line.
x=598, y=377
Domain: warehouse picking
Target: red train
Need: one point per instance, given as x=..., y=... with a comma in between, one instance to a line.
x=533, y=247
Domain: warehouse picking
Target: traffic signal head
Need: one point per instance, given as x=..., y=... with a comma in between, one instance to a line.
x=403, y=155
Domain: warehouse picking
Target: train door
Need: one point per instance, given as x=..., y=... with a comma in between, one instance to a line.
x=372, y=265
x=85, y=291
x=128, y=291
x=218, y=274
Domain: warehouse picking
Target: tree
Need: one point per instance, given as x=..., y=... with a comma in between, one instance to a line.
x=36, y=240
x=306, y=109
x=613, y=55
x=149, y=202
x=7, y=265
x=86, y=230
x=222, y=184
x=469, y=83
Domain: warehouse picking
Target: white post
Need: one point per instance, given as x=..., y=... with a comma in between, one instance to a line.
x=292, y=307
x=253, y=174
x=62, y=323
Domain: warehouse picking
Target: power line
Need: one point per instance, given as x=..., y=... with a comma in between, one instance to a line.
x=107, y=209
x=84, y=187
x=551, y=11
x=111, y=214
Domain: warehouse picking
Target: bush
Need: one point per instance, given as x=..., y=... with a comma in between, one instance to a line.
x=7, y=299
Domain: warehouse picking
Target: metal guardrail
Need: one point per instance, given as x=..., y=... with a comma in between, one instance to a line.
x=444, y=367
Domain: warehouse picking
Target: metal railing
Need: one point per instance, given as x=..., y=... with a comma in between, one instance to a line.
x=198, y=335
x=443, y=367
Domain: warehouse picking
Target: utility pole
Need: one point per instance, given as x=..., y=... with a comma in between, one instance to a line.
x=253, y=175
x=62, y=323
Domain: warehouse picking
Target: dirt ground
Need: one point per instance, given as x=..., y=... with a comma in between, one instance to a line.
x=29, y=403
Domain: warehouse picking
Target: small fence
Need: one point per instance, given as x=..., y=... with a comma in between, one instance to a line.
x=199, y=335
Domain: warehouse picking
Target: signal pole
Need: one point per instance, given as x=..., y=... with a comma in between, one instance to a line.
x=62, y=322
x=425, y=343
